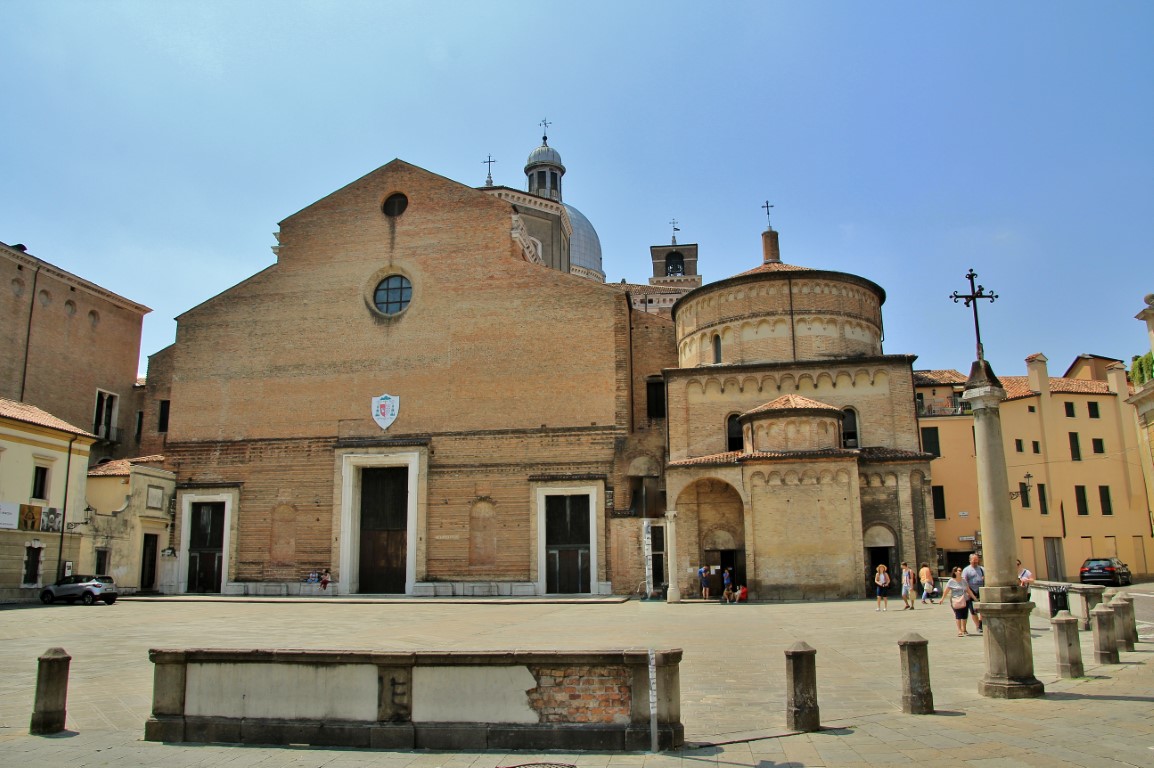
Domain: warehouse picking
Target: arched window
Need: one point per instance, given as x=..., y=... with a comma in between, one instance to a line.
x=674, y=264
x=716, y=349
x=733, y=438
x=849, y=429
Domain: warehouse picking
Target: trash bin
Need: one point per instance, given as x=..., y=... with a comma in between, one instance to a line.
x=1059, y=599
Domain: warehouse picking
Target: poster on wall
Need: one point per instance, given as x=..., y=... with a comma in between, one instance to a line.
x=9, y=515
x=29, y=517
x=50, y=520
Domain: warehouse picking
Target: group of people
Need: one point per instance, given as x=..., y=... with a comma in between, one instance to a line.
x=730, y=592
x=963, y=590
x=323, y=578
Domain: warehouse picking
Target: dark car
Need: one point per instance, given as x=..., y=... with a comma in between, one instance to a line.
x=86, y=589
x=1105, y=570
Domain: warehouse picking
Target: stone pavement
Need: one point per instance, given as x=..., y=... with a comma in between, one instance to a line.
x=732, y=681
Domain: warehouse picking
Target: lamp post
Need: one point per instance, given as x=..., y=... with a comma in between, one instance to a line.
x=1004, y=605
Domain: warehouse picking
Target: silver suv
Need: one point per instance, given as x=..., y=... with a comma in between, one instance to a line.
x=86, y=589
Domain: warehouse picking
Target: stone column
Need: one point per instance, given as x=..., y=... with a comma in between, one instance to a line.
x=1105, y=645
x=674, y=593
x=1067, y=646
x=1004, y=605
x=801, y=710
x=917, y=697
x=1123, y=618
x=49, y=709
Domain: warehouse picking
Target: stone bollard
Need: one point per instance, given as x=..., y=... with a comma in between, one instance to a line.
x=1092, y=597
x=1131, y=620
x=917, y=698
x=1067, y=645
x=48, y=712
x=1105, y=645
x=1123, y=618
x=801, y=710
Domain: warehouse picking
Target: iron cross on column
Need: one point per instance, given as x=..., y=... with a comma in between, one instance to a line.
x=489, y=176
x=971, y=300
x=767, y=206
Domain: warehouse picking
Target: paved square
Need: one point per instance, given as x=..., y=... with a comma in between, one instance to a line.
x=732, y=680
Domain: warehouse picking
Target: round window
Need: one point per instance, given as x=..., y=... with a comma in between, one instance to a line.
x=395, y=205
x=392, y=295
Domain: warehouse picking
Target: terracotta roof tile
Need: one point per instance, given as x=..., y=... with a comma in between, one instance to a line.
x=1019, y=386
x=791, y=402
x=123, y=467
x=941, y=377
x=729, y=457
x=30, y=414
x=773, y=266
x=874, y=453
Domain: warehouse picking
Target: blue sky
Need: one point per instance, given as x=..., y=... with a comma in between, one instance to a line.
x=152, y=147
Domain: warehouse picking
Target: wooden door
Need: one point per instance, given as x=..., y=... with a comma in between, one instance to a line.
x=384, y=529
x=206, y=547
x=567, y=560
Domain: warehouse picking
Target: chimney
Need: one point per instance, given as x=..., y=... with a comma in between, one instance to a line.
x=1037, y=373
x=770, y=249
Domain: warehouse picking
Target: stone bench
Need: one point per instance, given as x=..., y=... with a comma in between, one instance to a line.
x=507, y=700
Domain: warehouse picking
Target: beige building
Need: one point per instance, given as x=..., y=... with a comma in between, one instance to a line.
x=1143, y=402
x=71, y=348
x=43, y=463
x=128, y=524
x=1069, y=444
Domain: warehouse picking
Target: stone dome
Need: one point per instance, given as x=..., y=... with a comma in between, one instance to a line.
x=584, y=246
x=544, y=155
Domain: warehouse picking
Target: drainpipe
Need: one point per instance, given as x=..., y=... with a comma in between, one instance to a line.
x=64, y=511
x=28, y=331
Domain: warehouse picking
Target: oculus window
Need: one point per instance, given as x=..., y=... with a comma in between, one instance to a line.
x=395, y=205
x=392, y=295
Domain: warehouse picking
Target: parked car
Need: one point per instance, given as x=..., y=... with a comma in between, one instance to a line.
x=1105, y=570
x=86, y=589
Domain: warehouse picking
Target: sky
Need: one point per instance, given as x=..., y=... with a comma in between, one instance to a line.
x=152, y=147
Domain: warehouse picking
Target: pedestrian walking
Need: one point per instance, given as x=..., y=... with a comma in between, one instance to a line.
x=926, y=577
x=1025, y=577
x=882, y=580
x=975, y=576
x=908, y=588
x=961, y=597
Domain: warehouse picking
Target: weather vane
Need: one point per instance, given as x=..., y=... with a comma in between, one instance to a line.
x=971, y=300
x=545, y=130
x=489, y=176
x=676, y=229
x=767, y=206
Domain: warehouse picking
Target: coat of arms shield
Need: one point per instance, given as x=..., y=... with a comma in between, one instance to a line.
x=385, y=410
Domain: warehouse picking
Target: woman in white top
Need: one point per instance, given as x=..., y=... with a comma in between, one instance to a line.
x=958, y=593
x=882, y=579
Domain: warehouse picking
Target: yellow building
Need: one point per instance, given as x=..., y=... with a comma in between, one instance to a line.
x=1071, y=450
x=43, y=461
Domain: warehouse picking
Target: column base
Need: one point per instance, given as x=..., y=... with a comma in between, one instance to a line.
x=1009, y=652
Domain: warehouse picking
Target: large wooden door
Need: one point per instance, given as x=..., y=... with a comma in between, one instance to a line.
x=384, y=529
x=567, y=562
x=206, y=546
x=148, y=563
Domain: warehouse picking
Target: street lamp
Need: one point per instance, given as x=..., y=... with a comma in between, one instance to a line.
x=1024, y=487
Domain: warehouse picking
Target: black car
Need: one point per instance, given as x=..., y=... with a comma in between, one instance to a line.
x=1105, y=570
x=86, y=589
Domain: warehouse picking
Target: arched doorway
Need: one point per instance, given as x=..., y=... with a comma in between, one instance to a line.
x=717, y=508
x=880, y=549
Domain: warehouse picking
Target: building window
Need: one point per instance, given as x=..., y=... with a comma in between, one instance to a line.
x=1092, y=407
x=1024, y=495
x=1043, y=502
x=395, y=204
x=1075, y=447
x=1104, y=497
x=40, y=482
x=733, y=438
x=716, y=349
x=939, y=495
x=1099, y=445
x=930, y=441
x=1080, y=498
x=1070, y=410
x=655, y=399
x=104, y=422
x=393, y=294
x=162, y=417
x=1036, y=446
x=674, y=264
x=101, y=562
x=1018, y=446
x=138, y=428
x=849, y=436
x=1031, y=408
